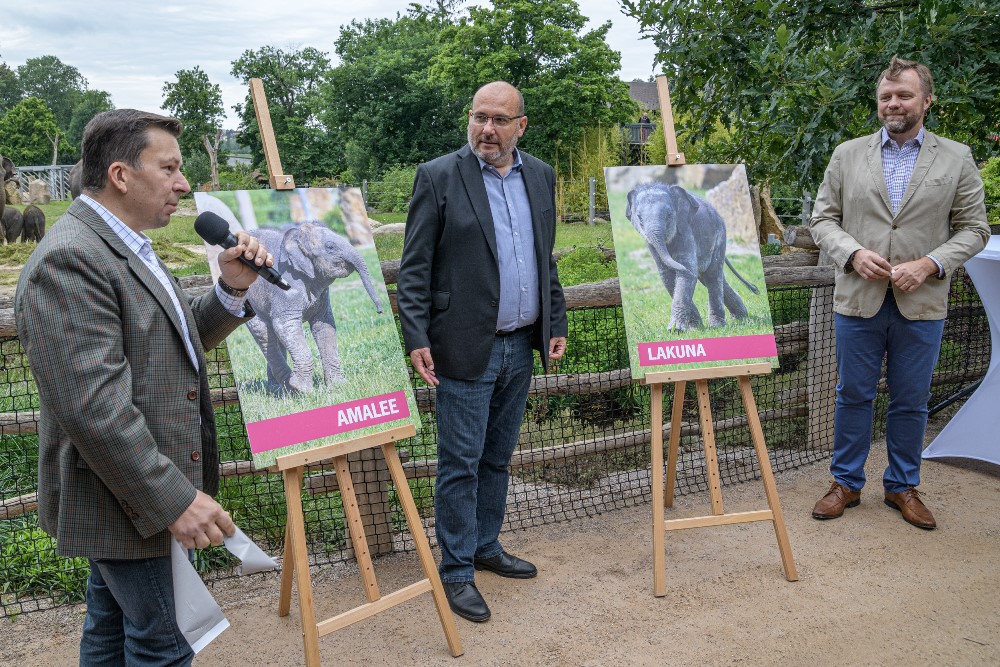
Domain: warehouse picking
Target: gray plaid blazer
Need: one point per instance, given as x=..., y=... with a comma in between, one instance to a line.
x=126, y=431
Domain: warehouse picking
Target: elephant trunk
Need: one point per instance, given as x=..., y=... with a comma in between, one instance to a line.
x=358, y=262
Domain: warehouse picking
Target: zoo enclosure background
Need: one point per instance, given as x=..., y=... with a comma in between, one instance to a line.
x=584, y=446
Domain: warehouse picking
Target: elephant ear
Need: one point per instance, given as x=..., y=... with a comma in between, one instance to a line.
x=685, y=204
x=294, y=245
x=629, y=203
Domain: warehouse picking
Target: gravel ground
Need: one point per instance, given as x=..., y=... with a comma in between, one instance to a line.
x=872, y=590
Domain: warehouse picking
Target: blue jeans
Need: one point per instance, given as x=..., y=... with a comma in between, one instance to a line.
x=479, y=422
x=911, y=349
x=130, y=616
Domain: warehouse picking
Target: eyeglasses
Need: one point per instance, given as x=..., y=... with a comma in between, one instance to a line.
x=498, y=121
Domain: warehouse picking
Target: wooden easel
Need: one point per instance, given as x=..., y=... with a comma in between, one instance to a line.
x=296, y=560
x=663, y=492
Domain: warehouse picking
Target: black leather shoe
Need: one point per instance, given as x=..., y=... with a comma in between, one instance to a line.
x=506, y=566
x=465, y=600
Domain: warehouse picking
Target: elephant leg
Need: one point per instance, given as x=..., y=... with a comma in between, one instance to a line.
x=278, y=371
x=733, y=301
x=684, y=314
x=292, y=337
x=715, y=283
x=324, y=331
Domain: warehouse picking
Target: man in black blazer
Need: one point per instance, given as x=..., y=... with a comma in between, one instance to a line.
x=477, y=290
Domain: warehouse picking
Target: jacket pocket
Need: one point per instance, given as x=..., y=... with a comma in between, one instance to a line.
x=944, y=180
x=440, y=300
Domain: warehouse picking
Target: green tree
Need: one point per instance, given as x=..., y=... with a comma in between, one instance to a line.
x=91, y=103
x=196, y=102
x=380, y=99
x=292, y=81
x=10, y=88
x=787, y=81
x=58, y=84
x=568, y=78
x=27, y=132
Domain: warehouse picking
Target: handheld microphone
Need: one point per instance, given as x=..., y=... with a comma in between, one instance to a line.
x=215, y=231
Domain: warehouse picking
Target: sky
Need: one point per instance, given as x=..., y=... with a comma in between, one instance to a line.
x=131, y=48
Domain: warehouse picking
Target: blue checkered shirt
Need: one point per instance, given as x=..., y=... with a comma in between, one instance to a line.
x=897, y=165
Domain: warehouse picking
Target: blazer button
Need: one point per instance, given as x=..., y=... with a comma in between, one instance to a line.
x=196, y=456
x=192, y=395
x=493, y=304
x=895, y=226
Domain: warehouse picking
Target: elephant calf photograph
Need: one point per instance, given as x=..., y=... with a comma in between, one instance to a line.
x=309, y=256
x=686, y=237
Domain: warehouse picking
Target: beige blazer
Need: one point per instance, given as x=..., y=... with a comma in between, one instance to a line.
x=942, y=214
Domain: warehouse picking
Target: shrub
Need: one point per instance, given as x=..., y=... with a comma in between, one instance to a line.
x=585, y=265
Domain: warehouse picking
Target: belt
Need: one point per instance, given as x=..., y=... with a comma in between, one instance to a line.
x=526, y=327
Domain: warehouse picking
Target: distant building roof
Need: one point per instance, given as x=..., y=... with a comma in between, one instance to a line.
x=644, y=92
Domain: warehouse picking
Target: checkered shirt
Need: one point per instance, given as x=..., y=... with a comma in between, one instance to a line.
x=897, y=165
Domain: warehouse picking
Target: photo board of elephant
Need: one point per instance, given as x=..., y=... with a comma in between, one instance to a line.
x=321, y=362
x=689, y=267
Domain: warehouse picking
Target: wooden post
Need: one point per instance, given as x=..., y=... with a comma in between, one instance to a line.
x=279, y=180
x=674, y=157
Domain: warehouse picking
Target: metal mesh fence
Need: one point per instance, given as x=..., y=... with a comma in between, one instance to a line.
x=584, y=445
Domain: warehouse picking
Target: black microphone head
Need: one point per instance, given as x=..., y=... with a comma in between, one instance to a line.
x=211, y=227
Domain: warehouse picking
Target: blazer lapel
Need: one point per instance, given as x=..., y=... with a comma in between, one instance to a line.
x=139, y=269
x=535, y=186
x=875, y=168
x=924, y=160
x=472, y=177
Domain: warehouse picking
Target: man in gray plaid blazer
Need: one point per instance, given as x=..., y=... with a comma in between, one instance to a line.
x=127, y=449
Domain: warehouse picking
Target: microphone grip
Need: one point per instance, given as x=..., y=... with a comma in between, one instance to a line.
x=264, y=271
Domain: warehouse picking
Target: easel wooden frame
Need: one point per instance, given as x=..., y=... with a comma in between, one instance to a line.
x=296, y=559
x=663, y=490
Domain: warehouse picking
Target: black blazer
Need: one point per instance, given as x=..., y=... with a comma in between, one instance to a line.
x=449, y=279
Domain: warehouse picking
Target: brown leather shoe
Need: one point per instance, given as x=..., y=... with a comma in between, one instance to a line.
x=838, y=498
x=908, y=503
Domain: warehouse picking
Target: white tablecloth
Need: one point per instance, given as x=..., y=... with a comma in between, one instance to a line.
x=974, y=431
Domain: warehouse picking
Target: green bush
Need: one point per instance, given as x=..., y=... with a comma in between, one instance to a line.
x=391, y=194
x=585, y=265
x=31, y=565
x=991, y=183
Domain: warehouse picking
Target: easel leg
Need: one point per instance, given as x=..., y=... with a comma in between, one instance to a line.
x=766, y=474
x=708, y=435
x=423, y=548
x=675, y=439
x=356, y=529
x=287, y=572
x=296, y=529
x=656, y=480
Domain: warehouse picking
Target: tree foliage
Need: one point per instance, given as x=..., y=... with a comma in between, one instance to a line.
x=92, y=102
x=381, y=101
x=292, y=81
x=197, y=103
x=787, y=81
x=26, y=133
x=568, y=78
x=58, y=84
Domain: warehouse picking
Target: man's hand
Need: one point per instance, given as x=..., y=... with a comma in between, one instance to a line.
x=237, y=274
x=870, y=265
x=908, y=276
x=423, y=364
x=557, y=347
x=203, y=523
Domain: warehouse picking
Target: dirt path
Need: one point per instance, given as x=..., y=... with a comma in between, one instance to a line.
x=873, y=590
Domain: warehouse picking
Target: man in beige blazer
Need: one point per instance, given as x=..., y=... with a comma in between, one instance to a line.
x=897, y=213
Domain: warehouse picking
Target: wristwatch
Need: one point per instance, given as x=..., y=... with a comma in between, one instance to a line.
x=230, y=290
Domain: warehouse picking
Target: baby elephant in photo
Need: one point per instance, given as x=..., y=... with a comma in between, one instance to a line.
x=309, y=256
x=687, y=239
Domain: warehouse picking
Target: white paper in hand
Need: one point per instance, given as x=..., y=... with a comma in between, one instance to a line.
x=252, y=558
x=199, y=617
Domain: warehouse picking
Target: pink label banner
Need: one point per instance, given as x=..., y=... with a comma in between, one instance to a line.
x=292, y=429
x=707, y=349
